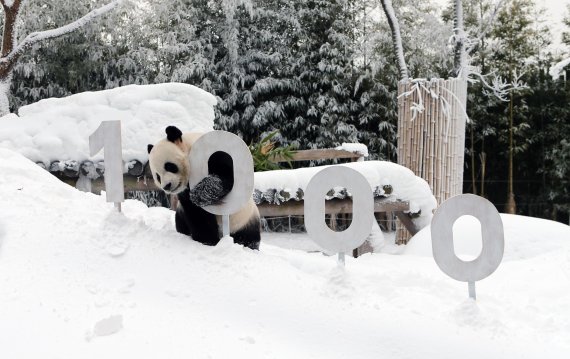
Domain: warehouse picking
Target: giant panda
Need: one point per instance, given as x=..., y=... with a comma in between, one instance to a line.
x=168, y=165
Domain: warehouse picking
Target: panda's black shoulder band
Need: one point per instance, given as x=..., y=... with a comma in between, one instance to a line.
x=173, y=134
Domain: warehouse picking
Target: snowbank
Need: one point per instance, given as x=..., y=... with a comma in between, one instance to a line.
x=59, y=128
x=525, y=237
x=79, y=280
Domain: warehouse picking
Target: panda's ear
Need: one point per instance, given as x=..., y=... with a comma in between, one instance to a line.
x=173, y=134
x=149, y=148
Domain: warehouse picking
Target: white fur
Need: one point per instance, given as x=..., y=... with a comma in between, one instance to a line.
x=177, y=153
x=242, y=218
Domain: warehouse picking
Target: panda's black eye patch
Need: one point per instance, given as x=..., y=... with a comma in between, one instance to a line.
x=158, y=177
x=170, y=167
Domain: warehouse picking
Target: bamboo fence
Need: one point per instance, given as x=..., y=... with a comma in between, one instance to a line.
x=431, y=134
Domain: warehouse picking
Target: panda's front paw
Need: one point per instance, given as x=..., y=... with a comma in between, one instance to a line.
x=208, y=191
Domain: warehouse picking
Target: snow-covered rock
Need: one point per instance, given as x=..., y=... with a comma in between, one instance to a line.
x=58, y=129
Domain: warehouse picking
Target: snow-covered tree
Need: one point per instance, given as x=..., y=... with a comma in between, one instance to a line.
x=14, y=46
x=255, y=80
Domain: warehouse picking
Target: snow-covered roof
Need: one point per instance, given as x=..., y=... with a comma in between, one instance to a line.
x=58, y=129
x=387, y=179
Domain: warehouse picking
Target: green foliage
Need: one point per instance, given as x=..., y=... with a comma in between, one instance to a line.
x=265, y=152
x=321, y=71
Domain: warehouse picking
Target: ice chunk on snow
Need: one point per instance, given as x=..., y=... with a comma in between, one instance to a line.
x=108, y=326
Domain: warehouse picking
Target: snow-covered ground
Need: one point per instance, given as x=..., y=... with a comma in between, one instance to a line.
x=79, y=280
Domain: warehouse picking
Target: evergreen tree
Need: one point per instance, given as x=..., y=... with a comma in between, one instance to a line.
x=255, y=84
x=514, y=39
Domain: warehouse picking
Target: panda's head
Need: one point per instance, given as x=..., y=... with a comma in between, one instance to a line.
x=168, y=161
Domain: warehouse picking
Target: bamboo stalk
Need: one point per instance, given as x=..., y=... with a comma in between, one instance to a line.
x=439, y=142
x=431, y=140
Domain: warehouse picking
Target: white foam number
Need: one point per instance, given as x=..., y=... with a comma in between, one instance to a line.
x=222, y=141
x=362, y=209
x=491, y=232
x=107, y=137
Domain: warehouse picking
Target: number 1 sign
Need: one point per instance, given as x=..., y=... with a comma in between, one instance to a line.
x=108, y=137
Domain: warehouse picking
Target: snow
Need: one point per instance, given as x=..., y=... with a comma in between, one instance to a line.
x=524, y=239
x=557, y=68
x=59, y=128
x=359, y=148
x=405, y=185
x=78, y=279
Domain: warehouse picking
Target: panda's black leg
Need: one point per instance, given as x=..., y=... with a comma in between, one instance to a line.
x=249, y=236
x=196, y=222
x=180, y=221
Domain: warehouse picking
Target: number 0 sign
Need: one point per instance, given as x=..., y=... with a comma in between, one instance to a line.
x=491, y=232
x=206, y=146
x=362, y=215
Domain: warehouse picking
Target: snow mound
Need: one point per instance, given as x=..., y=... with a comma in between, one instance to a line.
x=59, y=128
x=525, y=237
x=78, y=279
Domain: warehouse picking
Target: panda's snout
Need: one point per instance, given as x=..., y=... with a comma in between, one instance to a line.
x=167, y=186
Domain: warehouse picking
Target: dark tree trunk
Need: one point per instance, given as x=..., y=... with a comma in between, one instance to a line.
x=7, y=64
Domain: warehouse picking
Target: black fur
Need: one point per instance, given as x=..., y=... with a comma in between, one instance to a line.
x=149, y=148
x=208, y=191
x=173, y=134
x=193, y=220
x=201, y=225
x=219, y=182
x=170, y=167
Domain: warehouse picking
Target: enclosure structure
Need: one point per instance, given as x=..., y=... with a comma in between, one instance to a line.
x=431, y=132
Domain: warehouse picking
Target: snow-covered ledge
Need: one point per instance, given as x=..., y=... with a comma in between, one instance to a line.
x=388, y=180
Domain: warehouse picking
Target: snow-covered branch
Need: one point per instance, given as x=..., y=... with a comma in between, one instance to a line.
x=459, y=54
x=498, y=87
x=52, y=33
x=556, y=69
x=396, y=37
